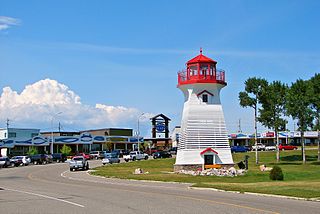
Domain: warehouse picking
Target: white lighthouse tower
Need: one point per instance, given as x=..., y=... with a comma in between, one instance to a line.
x=203, y=139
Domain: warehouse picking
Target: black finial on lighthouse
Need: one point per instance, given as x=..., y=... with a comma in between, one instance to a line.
x=201, y=51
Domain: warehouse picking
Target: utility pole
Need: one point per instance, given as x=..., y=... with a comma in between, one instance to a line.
x=59, y=127
x=239, y=126
x=7, y=123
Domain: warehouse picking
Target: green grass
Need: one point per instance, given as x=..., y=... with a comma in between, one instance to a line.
x=300, y=180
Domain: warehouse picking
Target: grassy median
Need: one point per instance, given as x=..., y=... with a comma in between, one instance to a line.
x=300, y=180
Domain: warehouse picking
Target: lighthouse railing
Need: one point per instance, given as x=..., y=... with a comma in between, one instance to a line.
x=219, y=76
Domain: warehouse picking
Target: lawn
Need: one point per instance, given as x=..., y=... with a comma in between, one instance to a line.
x=300, y=180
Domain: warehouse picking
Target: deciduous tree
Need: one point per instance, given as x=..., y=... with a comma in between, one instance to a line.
x=298, y=106
x=273, y=102
x=254, y=88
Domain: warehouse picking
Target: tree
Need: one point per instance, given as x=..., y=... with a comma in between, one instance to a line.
x=254, y=88
x=315, y=104
x=66, y=150
x=298, y=106
x=273, y=102
x=33, y=150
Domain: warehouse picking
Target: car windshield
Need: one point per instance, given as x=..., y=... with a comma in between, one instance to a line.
x=132, y=153
x=78, y=159
x=2, y=159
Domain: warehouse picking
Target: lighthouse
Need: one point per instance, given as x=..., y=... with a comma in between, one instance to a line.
x=203, y=138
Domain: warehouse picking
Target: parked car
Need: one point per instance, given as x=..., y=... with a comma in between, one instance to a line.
x=151, y=151
x=235, y=149
x=260, y=147
x=59, y=157
x=41, y=159
x=20, y=160
x=287, y=147
x=271, y=148
x=78, y=162
x=135, y=155
x=5, y=162
x=86, y=156
x=110, y=158
x=95, y=154
x=173, y=150
x=162, y=154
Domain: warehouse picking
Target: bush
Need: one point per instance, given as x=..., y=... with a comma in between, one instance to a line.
x=276, y=173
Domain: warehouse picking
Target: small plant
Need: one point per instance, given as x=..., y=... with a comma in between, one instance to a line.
x=276, y=173
x=33, y=150
x=66, y=150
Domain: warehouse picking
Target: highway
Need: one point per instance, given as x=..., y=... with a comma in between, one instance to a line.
x=53, y=188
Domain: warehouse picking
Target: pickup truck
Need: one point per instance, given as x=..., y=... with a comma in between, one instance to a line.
x=135, y=155
x=78, y=162
x=260, y=147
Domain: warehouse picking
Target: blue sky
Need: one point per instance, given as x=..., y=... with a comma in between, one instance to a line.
x=128, y=53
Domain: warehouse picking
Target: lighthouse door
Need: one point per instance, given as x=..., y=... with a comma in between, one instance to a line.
x=208, y=159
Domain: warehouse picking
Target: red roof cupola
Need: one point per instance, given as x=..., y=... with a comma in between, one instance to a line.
x=201, y=59
x=201, y=69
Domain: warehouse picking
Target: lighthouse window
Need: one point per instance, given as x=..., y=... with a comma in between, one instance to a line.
x=205, y=98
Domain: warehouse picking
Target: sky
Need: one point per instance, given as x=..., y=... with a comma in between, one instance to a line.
x=105, y=63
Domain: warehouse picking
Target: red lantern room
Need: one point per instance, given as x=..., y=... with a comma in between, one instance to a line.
x=201, y=69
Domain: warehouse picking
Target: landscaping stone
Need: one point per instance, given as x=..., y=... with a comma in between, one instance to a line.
x=230, y=172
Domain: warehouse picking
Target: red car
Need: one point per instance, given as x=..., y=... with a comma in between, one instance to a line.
x=86, y=156
x=287, y=147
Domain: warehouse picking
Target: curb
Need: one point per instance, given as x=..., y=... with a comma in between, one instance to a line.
x=259, y=194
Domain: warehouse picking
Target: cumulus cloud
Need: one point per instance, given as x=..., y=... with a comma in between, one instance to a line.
x=38, y=104
x=6, y=22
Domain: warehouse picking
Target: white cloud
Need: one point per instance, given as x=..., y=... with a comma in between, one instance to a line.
x=6, y=22
x=38, y=103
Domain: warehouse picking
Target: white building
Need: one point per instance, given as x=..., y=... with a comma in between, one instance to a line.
x=175, y=136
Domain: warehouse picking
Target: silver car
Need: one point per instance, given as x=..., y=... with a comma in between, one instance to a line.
x=110, y=158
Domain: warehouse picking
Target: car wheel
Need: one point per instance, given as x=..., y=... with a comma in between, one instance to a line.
x=146, y=157
x=71, y=170
x=126, y=160
x=295, y=148
x=12, y=165
x=118, y=161
x=58, y=160
x=133, y=159
x=35, y=162
x=44, y=162
x=104, y=163
x=282, y=149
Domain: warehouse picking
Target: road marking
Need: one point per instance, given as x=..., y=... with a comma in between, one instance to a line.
x=45, y=196
x=178, y=196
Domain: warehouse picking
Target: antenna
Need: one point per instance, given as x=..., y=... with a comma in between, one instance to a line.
x=59, y=127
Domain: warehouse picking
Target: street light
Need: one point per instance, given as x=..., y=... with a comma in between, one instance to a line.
x=51, y=145
x=138, y=132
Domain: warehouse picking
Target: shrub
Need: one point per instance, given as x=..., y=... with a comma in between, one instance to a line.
x=276, y=173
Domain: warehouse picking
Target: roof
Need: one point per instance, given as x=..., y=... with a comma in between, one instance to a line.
x=201, y=58
x=160, y=115
x=208, y=150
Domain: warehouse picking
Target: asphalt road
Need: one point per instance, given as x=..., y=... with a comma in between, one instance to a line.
x=53, y=188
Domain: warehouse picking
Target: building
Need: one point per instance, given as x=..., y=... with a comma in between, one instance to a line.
x=16, y=140
x=175, y=136
x=204, y=138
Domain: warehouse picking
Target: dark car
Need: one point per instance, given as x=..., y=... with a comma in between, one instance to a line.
x=59, y=157
x=239, y=149
x=173, y=150
x=162, y=154
x=41, y=159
